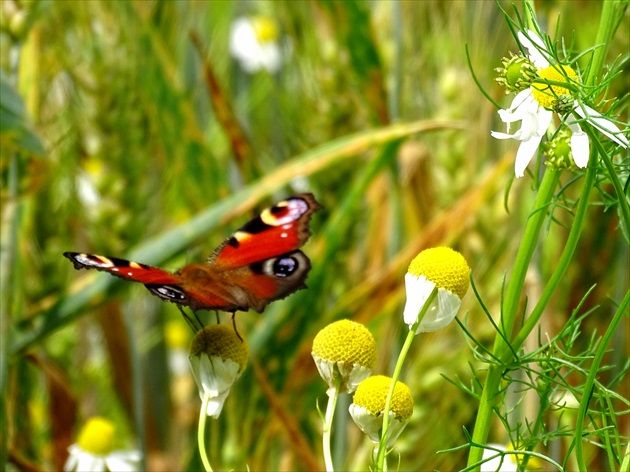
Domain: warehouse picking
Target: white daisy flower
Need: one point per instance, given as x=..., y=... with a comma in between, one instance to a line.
x=93, y=451
x=368, y=405
x=533, y=108
x=440, y=267
x=217, y=357
x=254, y=44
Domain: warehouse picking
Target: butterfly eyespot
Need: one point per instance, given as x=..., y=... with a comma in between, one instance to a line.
x=284, y=266
x=168, y=292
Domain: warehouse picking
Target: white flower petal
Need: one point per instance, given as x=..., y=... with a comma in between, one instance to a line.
x=418, y=291
x=441, y=311
x=524, y=155
x=214, y=377
x=603, y=124
x=534, y=45
x=123, y=461
x=579, y=145
x=498, y=135
x=439, y=316
x=352, y=374
x=371, y=424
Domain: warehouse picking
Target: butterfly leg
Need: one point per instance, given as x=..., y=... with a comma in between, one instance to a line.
x=190, y=322
x=234, y=325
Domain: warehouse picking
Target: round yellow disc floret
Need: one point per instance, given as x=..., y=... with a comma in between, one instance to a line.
x=372, y=393
x=444, y=267
x=546, y=94
x=220, y=341
x=97, y=436
x=346, y=341
x=264, y=29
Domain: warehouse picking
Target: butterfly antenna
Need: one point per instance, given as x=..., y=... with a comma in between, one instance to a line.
x=190, y=322
x=234, y=326
x=216, y=313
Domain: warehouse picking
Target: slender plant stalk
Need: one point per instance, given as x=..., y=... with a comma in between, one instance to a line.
x=381, y=462
x=201, y=434
x=333, y=395
x=490, y=394
x=587, y=391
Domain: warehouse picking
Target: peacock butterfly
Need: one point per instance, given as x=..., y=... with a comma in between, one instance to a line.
x=258, y=264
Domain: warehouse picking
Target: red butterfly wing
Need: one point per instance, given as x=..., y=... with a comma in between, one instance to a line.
x=278, y=230
x=259, y=263
x=125, y=269
x=160, y=283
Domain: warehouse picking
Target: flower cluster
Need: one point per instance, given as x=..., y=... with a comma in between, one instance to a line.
x=345, y=351
x=554, y=89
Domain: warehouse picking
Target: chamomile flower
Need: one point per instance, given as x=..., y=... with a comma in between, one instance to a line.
x=344, y=353
x=368, y=405
x=535, y=105
x=218, y=358
x=254, y=44
x=94, y=450
x=440, y=267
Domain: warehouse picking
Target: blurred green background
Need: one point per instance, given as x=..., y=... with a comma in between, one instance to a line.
x=130, y=131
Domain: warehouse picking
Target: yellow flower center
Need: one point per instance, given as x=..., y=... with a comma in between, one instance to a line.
x=372, y=393
x=220, y=341
x=346, y=341
x=97, y=436
x=264, y=29
x=547, y=94
x=444, y=267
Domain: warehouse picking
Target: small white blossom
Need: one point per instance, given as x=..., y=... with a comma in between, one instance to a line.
x=253, y=43
x=93, y=451
x=215, y=377
x=536, y=117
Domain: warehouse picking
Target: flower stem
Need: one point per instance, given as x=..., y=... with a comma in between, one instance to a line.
x=333, y=394
x=490, y=395
x=381, y=464
x=201, y=433
x=562, y=264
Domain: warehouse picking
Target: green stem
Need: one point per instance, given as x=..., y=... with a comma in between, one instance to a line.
x=381, y=464
x=201, y=433
x=587, y=392
x=333, y=394
x=612, y=12
x=563, y=262
x=490, y=394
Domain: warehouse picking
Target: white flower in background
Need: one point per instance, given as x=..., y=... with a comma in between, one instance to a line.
x=254, y=44
x=496, y=462
x=94, y=452
x=534, y=107
x=499, y=459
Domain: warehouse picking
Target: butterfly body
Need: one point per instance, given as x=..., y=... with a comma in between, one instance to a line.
x=258, y=264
